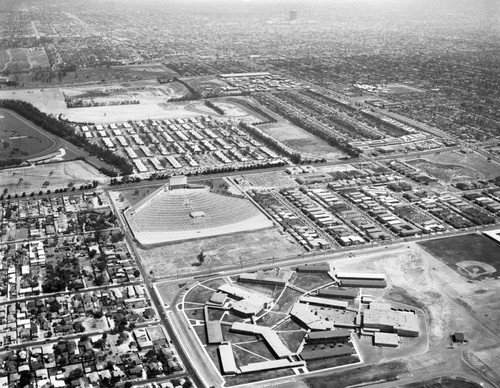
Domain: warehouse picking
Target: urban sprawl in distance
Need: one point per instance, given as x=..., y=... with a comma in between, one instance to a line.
x=259, y=193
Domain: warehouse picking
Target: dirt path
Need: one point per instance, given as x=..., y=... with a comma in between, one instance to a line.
x=10, y=60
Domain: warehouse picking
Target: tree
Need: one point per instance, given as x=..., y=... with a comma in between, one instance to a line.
x=117, y=237
x=201, y=257
x=99, y=280
x=55, y=306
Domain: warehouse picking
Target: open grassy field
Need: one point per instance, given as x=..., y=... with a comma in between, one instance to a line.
x=248, y=378
x=214, y=283
x=286, y=301
x=443, y=382
x=292, y=339
x=266, y=289
x=345, y=378
x=468, y=248
x=88, y=76
x=271, y=318
x=215, y=314
x=456, y=166
x=449, y=173
x=221, y=251
x=302, y=141
x=198, y=294
x=316, y=365
x=260, y=348
x=230, y=110
x=21, y=139
x=134, y=195
x=289, y=325
x=58, y=175
x=310, y=281
x=244, y=357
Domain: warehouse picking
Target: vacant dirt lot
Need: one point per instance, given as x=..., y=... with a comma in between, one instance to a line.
x=451, y=303
x=220, y=251
x=455, y=165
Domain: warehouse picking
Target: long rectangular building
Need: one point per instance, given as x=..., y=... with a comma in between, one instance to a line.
x=237, y=75
x=314, y=268
x=264, y=278
x=338, y=304
x=227, y=359
x=386, y=339
x=363, y=283
x=329, y=335
x=337, y=293
x=214, y=332
x=360, y=276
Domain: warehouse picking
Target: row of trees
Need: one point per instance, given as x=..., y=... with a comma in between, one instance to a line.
x=214, y=107
x=193, y=94
x=10, y=163
x=208, y=170
x=62, y=129
x=268, y=119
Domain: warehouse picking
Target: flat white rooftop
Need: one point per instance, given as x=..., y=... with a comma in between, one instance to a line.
x=360, y=275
